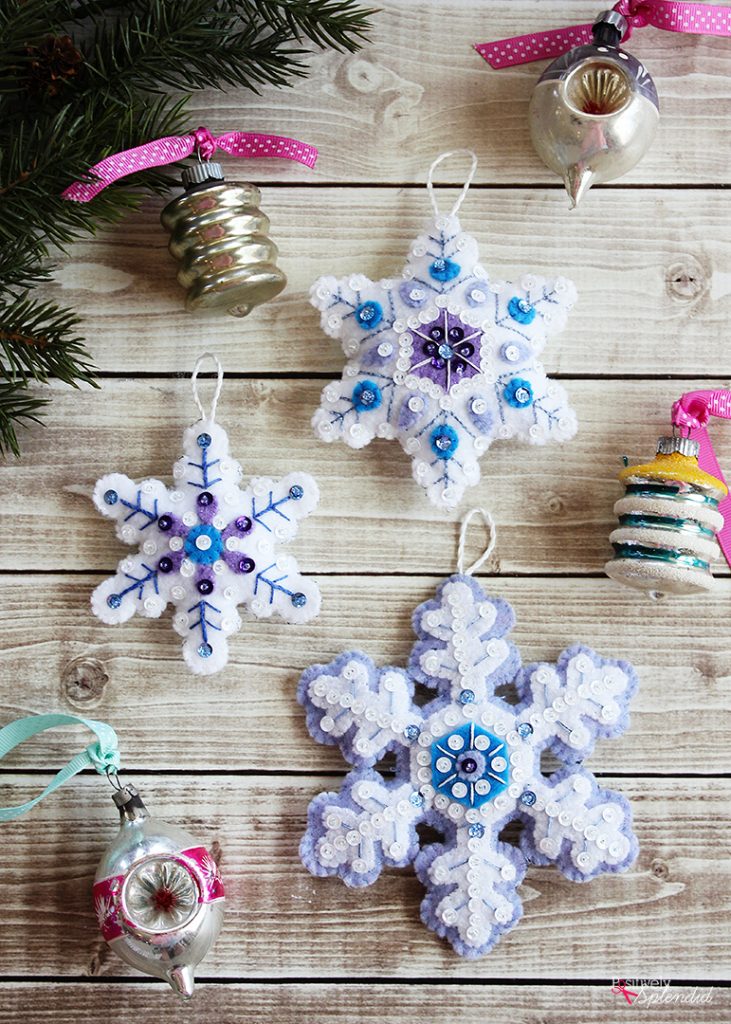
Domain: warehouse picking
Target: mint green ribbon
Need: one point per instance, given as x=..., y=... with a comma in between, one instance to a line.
x=103, y=755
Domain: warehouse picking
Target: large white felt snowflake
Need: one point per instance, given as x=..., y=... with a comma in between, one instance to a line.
x=467, y=763
x=444, y=359
x=206, y=546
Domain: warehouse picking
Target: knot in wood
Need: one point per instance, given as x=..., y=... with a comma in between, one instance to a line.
x=83, y=681
x=687, y=280
x=660, y=869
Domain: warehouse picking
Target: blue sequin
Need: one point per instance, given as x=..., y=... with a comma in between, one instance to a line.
x=528, y=797
x=205, y=650
x=366, y=396
x=204, y=556
x=444, y=270
x=369, y=314
x=204, y=440
x=467, y=697
x=296, y=492
x=525, y=729
x=476, y=831
x=417, y=799
x=444, y=441
x=114, y=600
x=521, y=310
x=412, y=732
x=111, y=497
x=299, y=600
x=518, y=393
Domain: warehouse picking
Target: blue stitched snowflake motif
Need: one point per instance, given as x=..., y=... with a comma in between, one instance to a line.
x=206, y=546
x=467, y=763
x=443, y=351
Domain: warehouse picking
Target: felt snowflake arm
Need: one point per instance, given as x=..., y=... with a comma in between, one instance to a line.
x=366, y=711
x=463, y=648
x=529, y=312
x=277, y=586
x=583, y=698
x=471, y=885
x=354, y=310
x=277, y=507
x=582, y=829
x=206, y=463
x=135, y=507
x=204, y=627
x=356, y=409
x=367, y=825
x=137, y=587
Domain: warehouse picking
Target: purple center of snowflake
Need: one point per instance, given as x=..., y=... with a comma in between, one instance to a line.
x=446, y=350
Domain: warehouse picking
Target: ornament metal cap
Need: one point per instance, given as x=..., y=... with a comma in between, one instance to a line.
x=613, y=18
x=683, y=445
x=201, y=172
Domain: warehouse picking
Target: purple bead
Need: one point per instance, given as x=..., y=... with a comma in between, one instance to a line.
x=437, y=363
x=204, y=586
x=458, y=366
x=247, y=565
x=165, y=523
x=466, y=350
x=430, y=348
x=243, y=524
x=468, y=765
x=456, y=334
x=205, y=498
x=437, y=333
x=165, y=564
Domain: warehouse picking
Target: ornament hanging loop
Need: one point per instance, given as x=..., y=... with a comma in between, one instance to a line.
x=492, y=537
x=205, y=144
x=219, y=384
x=468, y=181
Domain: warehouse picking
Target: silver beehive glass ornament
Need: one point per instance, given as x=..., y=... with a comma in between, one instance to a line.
x=668, y=521
x=220, y=236
x=158, y=895
x=594, y=111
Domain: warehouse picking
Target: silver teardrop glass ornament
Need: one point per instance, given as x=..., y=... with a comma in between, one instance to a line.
x=594, y=111
x=158, y=896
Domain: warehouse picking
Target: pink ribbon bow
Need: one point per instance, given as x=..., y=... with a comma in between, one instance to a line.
x=691, y=414
x=169, y=150
x=672, y=15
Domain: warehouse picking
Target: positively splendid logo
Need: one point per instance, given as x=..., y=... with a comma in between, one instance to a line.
x=656, y=992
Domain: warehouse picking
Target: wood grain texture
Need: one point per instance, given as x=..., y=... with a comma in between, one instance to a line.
x=417, y=88
x=650, y=255
x=651, y=268
x=553, y=506
x=132, y=675
x=255, y=1003
x=665, y=916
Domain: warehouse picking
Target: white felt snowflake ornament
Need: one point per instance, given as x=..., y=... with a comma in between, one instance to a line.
x=444, y=358
x=206, y=545
x=467, y=763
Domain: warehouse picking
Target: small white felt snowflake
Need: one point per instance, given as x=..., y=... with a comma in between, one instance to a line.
x=206, y=546
x=444, y=359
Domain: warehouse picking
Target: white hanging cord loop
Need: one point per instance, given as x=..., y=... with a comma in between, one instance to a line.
x=491, y=530
x=216, y=393
x=465, y=187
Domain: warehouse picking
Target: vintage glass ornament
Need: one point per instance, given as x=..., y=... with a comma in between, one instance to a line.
x=158, y=895
x=594, y=111
x=221, y=239
x=668, y=521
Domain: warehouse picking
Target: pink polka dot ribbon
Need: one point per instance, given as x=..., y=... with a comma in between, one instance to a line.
x=671, y=15
x=246, y=145
x=690, y=415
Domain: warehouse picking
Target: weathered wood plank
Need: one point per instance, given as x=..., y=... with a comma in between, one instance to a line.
x=418, y=88
x=650, y=268
x=59, y=1003
x=553, y=506
x=132, y=675
x=667, y=916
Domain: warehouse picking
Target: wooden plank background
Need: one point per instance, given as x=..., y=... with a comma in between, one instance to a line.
x=229, y=757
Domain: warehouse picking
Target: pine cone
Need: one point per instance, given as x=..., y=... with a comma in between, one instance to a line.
x=51, y=64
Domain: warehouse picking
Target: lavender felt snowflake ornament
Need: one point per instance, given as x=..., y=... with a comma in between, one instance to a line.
x=467, y=763
x=443, y=358
x=206, y=545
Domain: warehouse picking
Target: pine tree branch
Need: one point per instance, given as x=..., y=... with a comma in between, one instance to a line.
x=16, y=406
x=340, y=24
